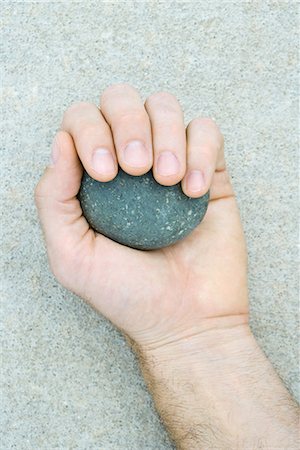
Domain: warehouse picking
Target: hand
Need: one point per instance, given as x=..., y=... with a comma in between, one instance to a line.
x=184, y=307
x=157, y=296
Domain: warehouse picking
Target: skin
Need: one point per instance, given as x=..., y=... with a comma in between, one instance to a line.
x=169, y=302
x=165, y=292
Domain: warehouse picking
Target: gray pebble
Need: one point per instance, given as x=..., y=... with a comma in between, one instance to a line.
x=138, y=211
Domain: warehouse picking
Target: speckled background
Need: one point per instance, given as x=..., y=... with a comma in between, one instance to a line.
x=68, y=379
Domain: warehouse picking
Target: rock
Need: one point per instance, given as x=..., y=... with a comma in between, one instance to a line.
x=139, y=212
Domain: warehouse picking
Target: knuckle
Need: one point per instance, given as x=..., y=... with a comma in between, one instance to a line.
x=210, y=125
x=206, y=122
x=76, y=107
x=161, y=97
x=73, y=110
x=169, y=125
x=89, y=131
x=115, y=88
x=205, y=151
x=209, y=122
x=166, y=101
x=137, y=116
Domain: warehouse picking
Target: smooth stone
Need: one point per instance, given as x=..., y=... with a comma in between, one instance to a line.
x=138, y=211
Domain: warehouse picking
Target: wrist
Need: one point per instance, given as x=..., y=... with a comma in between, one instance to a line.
x=224, y=336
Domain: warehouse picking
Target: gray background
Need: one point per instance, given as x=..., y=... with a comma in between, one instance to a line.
x=68, y=379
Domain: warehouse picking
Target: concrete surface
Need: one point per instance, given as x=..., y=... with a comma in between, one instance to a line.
x=68, y=379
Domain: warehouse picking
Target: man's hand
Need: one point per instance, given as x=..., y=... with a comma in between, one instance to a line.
x=155, y=296
x=184, y=307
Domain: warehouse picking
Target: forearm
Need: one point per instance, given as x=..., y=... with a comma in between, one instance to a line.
x=217, y=390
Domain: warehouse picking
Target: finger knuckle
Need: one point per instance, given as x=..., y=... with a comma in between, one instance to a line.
x=201, y=122
x=204, y=122
x=207, y=123
x=167, y=125
x=77, y=106
x=88, y=132
x=115, y=88
x=165, y=100
x=206, y=152
x=74, y=109
x=161, y=97
x=134, y=116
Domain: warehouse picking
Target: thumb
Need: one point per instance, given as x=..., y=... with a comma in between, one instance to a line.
x=59, y=210
x=61, y=179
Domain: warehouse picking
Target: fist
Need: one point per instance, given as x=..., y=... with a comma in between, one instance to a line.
x=163, y=295
x=140, y=137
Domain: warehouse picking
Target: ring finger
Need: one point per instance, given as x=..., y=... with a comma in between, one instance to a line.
x=168, y=135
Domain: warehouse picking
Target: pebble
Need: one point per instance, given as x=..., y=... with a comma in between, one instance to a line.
x=138, y=212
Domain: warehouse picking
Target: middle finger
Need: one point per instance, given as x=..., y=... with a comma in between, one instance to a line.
x=169, y=138
x=124, y=111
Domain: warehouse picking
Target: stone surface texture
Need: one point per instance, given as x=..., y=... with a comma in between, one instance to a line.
x=138, y=211
x=69, y=380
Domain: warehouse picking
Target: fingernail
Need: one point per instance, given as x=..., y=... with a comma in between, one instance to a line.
x=102, y=161
x=54, y=152
x=167, y=164
x=136, y=155
x=195, y=181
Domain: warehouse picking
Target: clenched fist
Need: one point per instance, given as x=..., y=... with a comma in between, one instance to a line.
x=159, y=296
